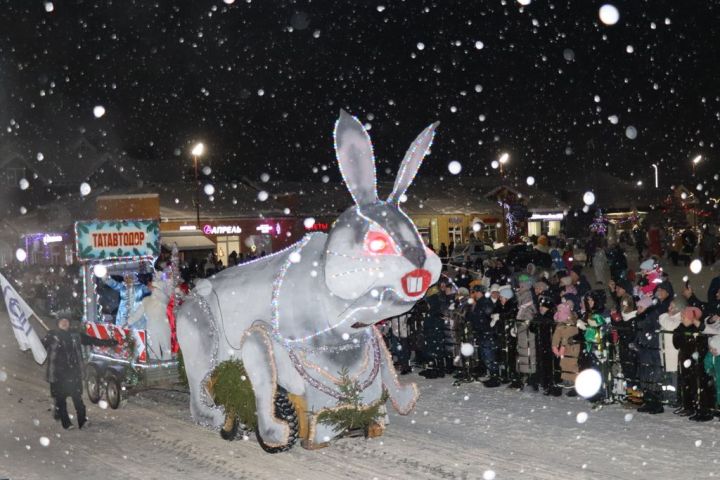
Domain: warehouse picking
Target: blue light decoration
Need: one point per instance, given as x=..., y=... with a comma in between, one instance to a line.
x=599, y=224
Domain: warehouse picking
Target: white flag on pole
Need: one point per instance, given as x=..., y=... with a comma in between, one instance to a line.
x=20, y=314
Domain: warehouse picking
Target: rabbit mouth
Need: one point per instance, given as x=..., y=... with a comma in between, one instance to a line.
x=415, y=283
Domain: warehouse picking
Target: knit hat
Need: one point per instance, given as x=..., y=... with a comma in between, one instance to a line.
x=546, y=301
x=667, y=286
x=692, y=313
x=644, y=302
x=566, y=281
x=525, y=282
x=506, y=292
x=541, y=285
x=463, y=292
x=625, y=285
x=648, y=265
x=494, y=288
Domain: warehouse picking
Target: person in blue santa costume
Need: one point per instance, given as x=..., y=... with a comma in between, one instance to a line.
x=131, y=294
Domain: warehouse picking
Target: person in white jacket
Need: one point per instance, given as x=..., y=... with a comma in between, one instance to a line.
x=669, y=321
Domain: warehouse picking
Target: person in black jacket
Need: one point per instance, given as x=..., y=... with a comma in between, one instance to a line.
x=433, y=330
x=647, y=344
x=698, y=396
x=480, y=316
x=542, y=326
x=505, y=315
x=64, y=370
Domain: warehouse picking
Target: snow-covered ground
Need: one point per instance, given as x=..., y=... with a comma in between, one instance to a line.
x=463, y=432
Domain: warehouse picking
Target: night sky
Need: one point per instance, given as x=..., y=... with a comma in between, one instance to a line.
x=261, y=82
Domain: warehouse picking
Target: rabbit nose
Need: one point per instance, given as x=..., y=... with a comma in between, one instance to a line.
x=416, y=255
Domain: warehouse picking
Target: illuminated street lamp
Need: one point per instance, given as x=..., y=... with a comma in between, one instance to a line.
x=503, y=160
x=657, y=184
x=196, y=152
x=695, y=161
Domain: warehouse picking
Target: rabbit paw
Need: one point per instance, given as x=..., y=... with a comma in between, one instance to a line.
x=275, y=433
x=404, y=397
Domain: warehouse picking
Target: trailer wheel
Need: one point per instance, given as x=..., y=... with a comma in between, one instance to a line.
x=114, y=390
x=285, y=411
x=92, y=383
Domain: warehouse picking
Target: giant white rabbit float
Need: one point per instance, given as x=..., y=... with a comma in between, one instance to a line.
x=304, y=317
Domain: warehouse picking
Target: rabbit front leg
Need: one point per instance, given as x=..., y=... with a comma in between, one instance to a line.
x=257, y=356
x=402, y=397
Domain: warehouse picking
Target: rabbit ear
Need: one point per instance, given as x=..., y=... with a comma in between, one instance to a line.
x=411, y=163
x=356, y=159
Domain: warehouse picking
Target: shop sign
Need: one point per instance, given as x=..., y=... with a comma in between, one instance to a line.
x=266, y=228
x=222, y=229
x=318, y=227
x=116, y=239
x=50, y=238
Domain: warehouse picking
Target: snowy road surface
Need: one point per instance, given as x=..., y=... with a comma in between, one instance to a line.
x=464, y=432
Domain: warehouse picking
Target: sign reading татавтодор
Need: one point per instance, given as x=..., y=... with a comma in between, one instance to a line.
x=99, y=239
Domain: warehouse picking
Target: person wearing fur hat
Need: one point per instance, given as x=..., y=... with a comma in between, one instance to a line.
x=647, y=345
x=542, y=327
x=565, y=345
x=695, y=392
x=506, y=310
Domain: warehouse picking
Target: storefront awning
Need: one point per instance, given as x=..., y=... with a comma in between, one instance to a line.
x=188, y=242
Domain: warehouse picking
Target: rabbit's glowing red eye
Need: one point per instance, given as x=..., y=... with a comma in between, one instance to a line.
x=379, y=243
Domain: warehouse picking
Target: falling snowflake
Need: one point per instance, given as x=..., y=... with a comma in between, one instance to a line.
x=609, y=15
x=454, y=167
x=85, y=189
x=696, y=266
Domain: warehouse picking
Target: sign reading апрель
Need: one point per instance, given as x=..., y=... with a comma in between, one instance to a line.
x=103, y=239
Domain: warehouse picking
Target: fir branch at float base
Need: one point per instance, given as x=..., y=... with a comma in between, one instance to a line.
x=350, y=413
x=133, y=376
x=231, y=389
x=182, y=373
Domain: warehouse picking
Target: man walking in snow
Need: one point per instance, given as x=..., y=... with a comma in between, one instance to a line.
x=64, y=370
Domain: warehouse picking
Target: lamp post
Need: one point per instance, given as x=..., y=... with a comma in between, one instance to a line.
x=196, y=152
x=695, y=161
x=656, y=175
x=503, y=160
